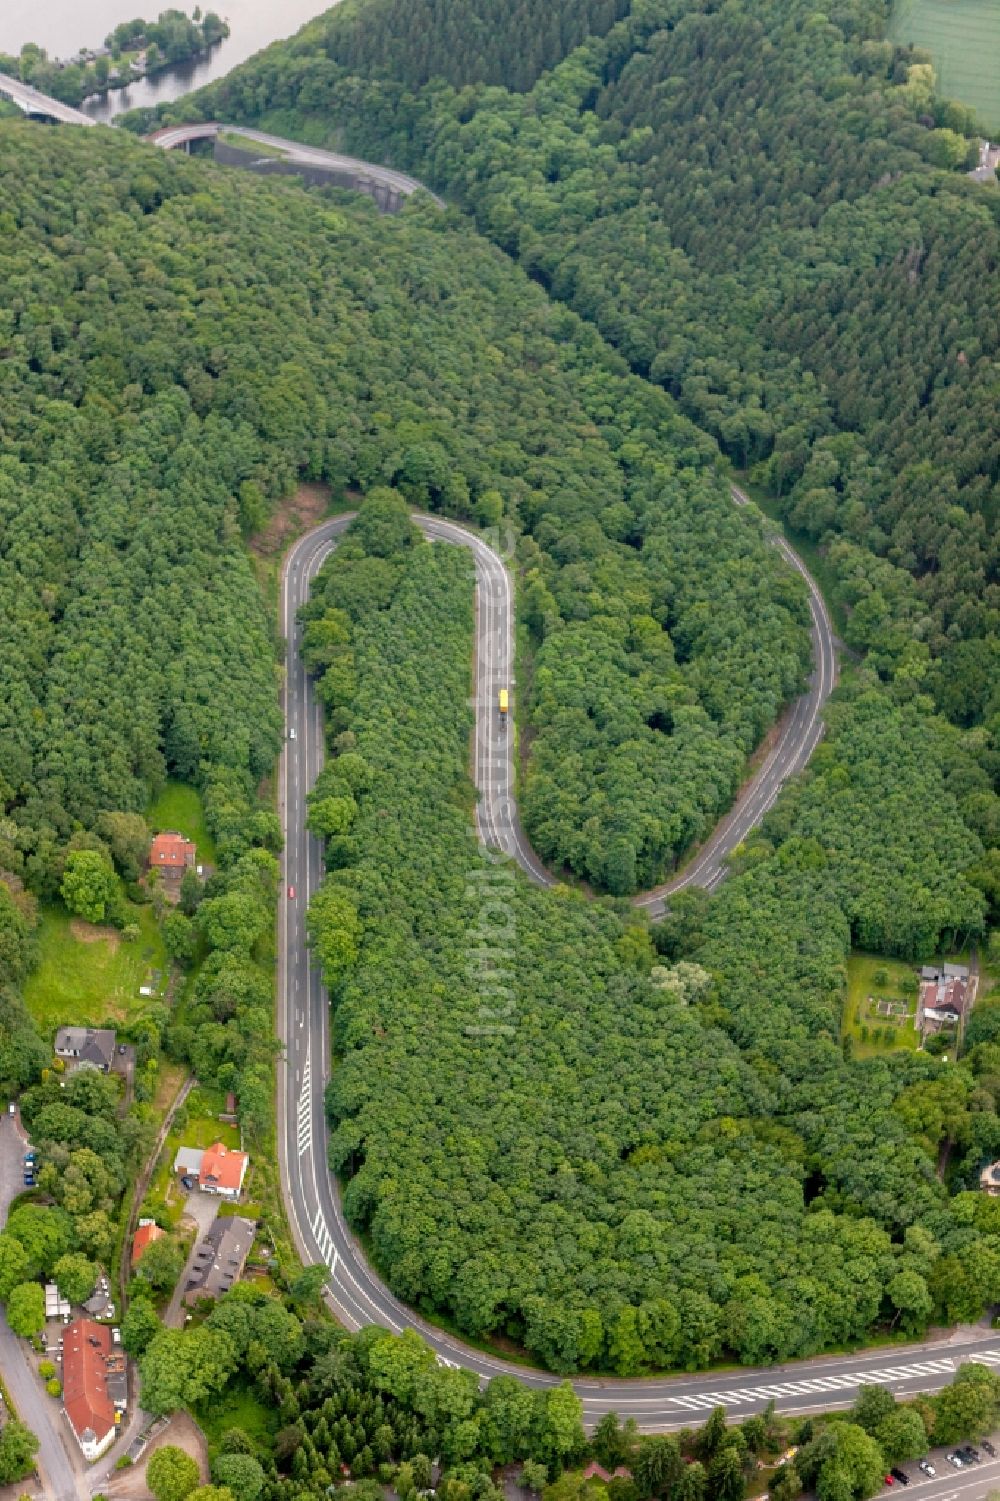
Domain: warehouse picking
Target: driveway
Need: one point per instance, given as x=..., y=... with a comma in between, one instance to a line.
x=13, y=1145
x=202, y=1209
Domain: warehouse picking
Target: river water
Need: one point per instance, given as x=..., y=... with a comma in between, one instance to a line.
x=62, y=27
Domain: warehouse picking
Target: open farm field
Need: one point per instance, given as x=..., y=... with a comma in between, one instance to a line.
x=963, y=38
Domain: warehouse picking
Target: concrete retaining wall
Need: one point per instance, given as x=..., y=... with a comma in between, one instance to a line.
x=388, y=199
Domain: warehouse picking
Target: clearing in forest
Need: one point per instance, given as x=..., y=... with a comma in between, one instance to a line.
x=881, y=1004
x=178, y=807
x=963, y=38
x=89, y=976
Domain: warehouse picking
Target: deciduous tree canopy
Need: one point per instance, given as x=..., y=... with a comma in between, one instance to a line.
x=750, y=206
x=641, y=1166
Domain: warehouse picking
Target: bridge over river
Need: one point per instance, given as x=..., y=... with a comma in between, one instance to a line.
x=39, y=106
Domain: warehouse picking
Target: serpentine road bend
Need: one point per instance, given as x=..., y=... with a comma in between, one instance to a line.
x=172, y=136
x=356, y=1293
x=801, y=730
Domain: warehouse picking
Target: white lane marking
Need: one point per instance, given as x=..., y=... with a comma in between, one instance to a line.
x=848, y=1382
x=303, y=1108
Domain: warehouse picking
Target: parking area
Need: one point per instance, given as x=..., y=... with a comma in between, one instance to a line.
x=964, y=1472
x=13, y=1145
x=52, y=1334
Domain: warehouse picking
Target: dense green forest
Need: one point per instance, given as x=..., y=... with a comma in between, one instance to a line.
x=658, y=1152
x=650, y=689
x=464, y=41
x=762, y=207
x=373, y=1407
x=176, y=361
x=776, y=1198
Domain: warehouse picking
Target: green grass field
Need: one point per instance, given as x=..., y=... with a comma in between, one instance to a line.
x=88, y=983
x=178, y=808
x=963, y=38
x=861, y=983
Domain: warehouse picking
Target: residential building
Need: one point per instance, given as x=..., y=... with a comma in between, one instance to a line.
x=86, y=1047
x=989, y=1179
x=95, y=1387
x=947, y=993
x=220, y=1258
x=223, y=1170
x=218, y=1169
x=594, y=1471
x=172, y=852
x=147, y=1232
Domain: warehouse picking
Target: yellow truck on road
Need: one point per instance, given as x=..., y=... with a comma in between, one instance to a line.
x=504, y=704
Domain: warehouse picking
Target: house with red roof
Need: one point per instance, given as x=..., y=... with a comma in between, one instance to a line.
x=95, y=1385
x=144, y=1236
x=947, y=994
x=594, y=1471
x=171, y=852
x=222, y=1170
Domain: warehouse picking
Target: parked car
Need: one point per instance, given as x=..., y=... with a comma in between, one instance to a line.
x=969, y=1454
x=956, y=1460
x=187, y=1182
x=928, y=1469
x=30, y=1157
x=29, y=1180
x=12, y=1108
x=900, y=1475
x=989, y=1448
x=889, y=1480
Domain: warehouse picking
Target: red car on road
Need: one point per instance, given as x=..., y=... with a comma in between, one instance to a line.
x=291, y=893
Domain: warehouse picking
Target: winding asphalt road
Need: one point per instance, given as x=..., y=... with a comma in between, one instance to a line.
x=800, y=733
x=356, y=1293
x=172, y=136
